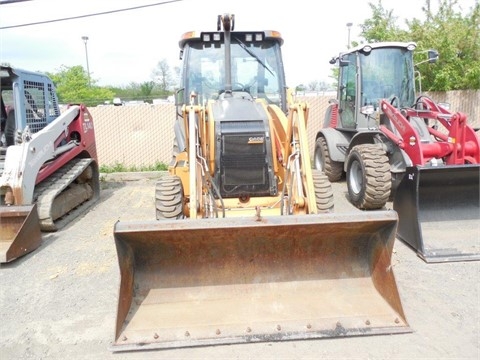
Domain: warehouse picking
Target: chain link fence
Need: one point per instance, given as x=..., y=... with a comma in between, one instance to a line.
x=142, y=135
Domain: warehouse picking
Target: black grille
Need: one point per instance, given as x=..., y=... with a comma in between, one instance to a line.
x=244, y=161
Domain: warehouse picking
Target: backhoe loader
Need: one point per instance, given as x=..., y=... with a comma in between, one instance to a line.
x=246, y=246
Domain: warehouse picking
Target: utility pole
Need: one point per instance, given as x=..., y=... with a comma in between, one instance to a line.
x=349, y=26
x=85, y=39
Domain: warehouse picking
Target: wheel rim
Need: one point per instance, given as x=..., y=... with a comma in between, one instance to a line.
x=356, y=177
x=319, y=161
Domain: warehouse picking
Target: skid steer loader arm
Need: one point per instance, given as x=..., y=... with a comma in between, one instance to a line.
x=236, y=280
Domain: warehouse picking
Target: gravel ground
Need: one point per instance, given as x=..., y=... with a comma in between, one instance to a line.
x=60, y=301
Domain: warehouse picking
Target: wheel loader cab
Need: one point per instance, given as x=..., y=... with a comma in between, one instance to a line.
x=348, y=91
x=367, y=77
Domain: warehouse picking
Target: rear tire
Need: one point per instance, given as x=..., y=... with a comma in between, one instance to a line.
x=369, y=179
x=169, y=198
x=323, y=192
x=323, y=161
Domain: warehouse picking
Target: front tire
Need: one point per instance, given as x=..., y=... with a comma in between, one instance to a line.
x=323, y=192
x=169, y=198
x=323, y=161
x=369, y=179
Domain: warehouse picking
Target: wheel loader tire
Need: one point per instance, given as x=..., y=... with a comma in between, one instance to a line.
x=368, y=177
x=323, y=192
x=323, y=161
x=169, y=198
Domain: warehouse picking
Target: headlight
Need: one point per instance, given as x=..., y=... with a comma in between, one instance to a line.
x=367, y=48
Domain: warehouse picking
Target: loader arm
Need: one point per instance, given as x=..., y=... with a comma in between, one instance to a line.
x=459, y=132
x=460, y=145
x=297, y=131
x=192, y=160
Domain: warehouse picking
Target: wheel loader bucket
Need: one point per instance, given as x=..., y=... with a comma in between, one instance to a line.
x=19, y=231
x=238, y=280
x=435, y=202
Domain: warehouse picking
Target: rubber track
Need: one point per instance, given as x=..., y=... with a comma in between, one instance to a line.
x=49, y=189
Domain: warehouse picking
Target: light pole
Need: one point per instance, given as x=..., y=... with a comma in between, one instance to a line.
x=349, y=26
x=85, y=39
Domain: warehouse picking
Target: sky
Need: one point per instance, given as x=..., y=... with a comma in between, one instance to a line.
x=126, y=46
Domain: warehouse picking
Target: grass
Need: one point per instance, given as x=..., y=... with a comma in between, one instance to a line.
x=118, y=167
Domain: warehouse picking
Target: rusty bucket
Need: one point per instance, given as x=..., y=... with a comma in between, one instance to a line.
x=198, y=282
x=19, y=231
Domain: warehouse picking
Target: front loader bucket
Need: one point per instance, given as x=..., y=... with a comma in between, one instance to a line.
x=19, y=231
x=199, y=282
x=439, y=213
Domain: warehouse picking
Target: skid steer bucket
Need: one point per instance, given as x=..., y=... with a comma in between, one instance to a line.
x=19, y=231
x=236, y=280
x=439, y=213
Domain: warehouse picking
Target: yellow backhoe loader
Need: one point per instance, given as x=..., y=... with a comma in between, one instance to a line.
x=246, y=246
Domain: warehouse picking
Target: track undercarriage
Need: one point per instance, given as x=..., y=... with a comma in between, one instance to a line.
x=66, y=194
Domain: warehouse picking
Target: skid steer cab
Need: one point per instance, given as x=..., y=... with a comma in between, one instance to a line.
x=247, y=246
x=48, y=161
x=394, y=144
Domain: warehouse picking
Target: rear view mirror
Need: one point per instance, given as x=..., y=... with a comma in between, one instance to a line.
x=343, y=61
x=432, y=56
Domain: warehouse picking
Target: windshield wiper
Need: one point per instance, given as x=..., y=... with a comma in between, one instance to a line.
x=252, y=54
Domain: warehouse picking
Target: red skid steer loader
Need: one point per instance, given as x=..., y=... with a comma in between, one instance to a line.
x=48, y=162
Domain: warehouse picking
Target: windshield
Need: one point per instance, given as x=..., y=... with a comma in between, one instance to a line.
x=387, y=73
x=255, y=69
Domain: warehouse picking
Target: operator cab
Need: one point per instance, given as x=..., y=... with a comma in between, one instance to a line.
x=29, y=104
x=367, y=77
x=255, y=63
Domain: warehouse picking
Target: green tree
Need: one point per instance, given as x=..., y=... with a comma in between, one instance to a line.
x=334, y=76
x=146, y=91
x=381, y=26
x=72, y=84
x=455, y=36
x=300, y=88
x=457, y=39
x=146, y=88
